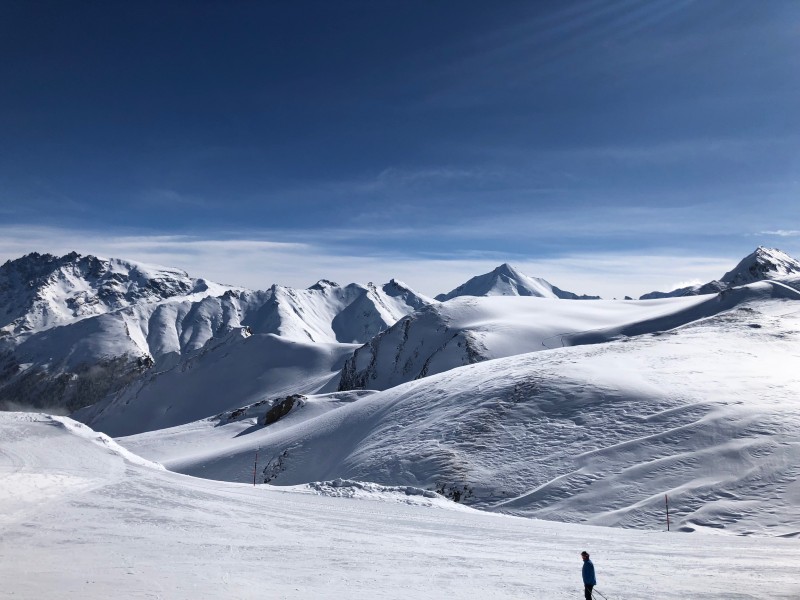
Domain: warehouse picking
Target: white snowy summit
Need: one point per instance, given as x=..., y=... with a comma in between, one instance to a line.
x=505, y=280
x=762, y=264
x=40, y=291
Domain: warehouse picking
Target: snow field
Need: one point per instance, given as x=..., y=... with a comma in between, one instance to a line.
x=137, y=532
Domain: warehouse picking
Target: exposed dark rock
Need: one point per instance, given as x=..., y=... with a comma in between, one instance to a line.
x=281, y=408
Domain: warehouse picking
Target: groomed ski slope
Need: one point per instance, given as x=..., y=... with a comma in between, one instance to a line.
x=707, y=413
x=83, y=519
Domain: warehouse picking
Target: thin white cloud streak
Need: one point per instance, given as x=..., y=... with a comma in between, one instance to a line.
x=781, y=233
x=257, y=264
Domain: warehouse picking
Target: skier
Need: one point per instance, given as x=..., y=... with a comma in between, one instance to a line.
x=589, y=580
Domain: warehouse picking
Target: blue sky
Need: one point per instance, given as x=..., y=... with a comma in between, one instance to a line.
x=610, y=147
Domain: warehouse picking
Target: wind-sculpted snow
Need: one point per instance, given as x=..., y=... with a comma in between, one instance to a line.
x=82, y=519
x=708, y=413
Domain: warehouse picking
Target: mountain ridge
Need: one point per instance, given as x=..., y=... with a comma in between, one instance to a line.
x=81, y=327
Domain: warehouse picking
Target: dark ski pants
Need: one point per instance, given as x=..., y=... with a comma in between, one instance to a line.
x=587, y=592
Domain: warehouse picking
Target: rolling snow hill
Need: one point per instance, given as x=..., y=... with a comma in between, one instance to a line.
x=84, y=519
x=707, y=413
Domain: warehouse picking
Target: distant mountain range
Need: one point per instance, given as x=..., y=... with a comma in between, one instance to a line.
x=75, y=329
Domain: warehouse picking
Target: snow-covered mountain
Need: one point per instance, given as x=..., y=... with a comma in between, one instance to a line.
x=707, y=413
x=505, y=280
x=327, y=312
x=468, y=330
x=78, y=328
x=41, y=291
x=67, y=336
x=761, y=264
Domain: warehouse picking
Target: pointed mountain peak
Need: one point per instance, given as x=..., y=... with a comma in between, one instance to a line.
x=505, y=280
x=507, y=270
x=763, y=263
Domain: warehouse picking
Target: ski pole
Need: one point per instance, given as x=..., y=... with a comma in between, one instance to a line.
x=599, y=592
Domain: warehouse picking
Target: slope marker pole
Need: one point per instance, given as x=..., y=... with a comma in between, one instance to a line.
x=666, y=502
x=255, y=466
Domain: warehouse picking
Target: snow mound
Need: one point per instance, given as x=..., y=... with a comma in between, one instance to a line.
x=67, y=501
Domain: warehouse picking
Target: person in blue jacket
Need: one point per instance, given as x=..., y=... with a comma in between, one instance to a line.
x=589, y=580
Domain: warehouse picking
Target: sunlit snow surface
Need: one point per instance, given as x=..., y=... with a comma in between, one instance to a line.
x=118, y=528
x=708, y=413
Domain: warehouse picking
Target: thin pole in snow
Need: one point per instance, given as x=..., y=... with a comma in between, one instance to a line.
x=255, y=466
x=666, y=502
